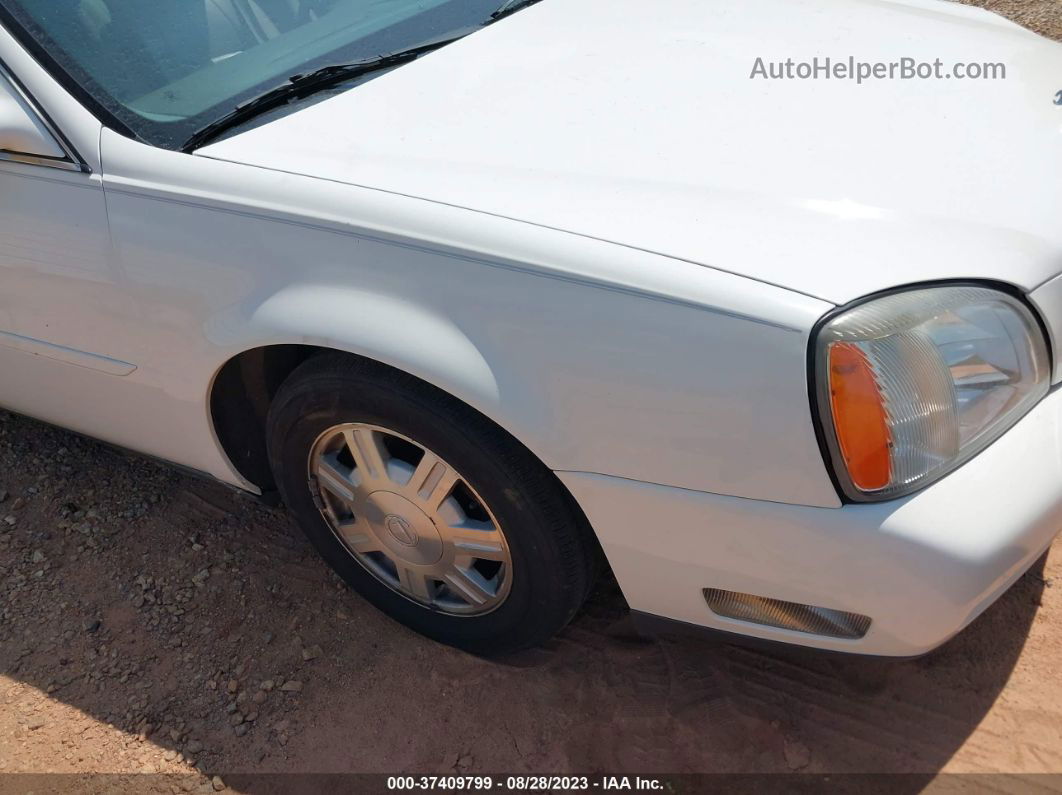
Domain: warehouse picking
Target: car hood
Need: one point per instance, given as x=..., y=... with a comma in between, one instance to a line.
x=640, y=124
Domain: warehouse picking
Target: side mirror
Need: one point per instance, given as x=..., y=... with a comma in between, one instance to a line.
x=21, y=131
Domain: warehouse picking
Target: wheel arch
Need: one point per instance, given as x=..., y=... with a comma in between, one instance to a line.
x=244, y=387
x=266, y=341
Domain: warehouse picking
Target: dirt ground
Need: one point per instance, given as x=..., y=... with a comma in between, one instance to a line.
x=153, y=623
x=1043, y=16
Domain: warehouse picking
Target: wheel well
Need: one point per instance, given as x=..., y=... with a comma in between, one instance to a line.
x=239, y=404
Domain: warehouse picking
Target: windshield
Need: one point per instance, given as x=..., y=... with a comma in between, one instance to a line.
x=166, y=68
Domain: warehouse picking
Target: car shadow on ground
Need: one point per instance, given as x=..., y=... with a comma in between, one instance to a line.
x=192, y=629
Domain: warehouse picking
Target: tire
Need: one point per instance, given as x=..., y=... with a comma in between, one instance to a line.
x=551, y=552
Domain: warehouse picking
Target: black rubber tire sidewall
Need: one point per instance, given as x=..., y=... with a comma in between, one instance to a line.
x=552, y=561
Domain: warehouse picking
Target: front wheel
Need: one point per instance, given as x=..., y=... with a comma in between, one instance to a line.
x=427, y=509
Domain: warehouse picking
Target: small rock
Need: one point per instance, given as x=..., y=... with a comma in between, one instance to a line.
x=18, y=504
x=233, y=686
x=170, y=755
x=175, y=735
x=3, y=495
x=797, y=755
x=294, y=686
x=91, y=625
x=236, y=719
x=217, y=783
x=241, y=729
x=250, y=717
x=193, y=747
x=312, y=653
x=259, y=697
x=282, y=739
x=9, y=521
x=267, y=685
x=212, y=685
x=36, y=723
x=281, y=725
x=38, y=556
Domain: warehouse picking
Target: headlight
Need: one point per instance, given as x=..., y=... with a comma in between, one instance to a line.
x=913, y=384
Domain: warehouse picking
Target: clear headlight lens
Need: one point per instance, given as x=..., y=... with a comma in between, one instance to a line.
x=913, y=384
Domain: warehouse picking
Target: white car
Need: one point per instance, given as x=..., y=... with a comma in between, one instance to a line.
x=491, y=295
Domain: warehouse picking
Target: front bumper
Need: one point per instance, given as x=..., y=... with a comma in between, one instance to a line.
x=922, y=567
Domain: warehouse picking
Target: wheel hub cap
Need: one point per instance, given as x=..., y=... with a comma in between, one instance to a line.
x=403, y=528
x=410, y=519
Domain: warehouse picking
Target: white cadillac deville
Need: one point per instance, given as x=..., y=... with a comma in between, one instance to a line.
x=494, y=295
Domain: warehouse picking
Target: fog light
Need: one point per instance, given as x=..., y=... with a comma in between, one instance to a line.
x=786, y=615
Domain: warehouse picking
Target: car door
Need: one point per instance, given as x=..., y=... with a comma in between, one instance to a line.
x=60, y=316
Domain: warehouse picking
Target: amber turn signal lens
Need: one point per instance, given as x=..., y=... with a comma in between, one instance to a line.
x=859, y=417
x=911, y=384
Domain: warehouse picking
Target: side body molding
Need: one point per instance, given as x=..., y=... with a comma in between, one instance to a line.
x=60, y=353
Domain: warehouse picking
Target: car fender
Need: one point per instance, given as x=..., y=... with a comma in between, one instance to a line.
x=597, y=357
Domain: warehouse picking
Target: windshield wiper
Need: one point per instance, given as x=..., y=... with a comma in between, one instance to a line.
x=511, y=7
x=304, y=85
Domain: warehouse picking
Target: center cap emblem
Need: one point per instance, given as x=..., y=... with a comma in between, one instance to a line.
x=401, y=530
